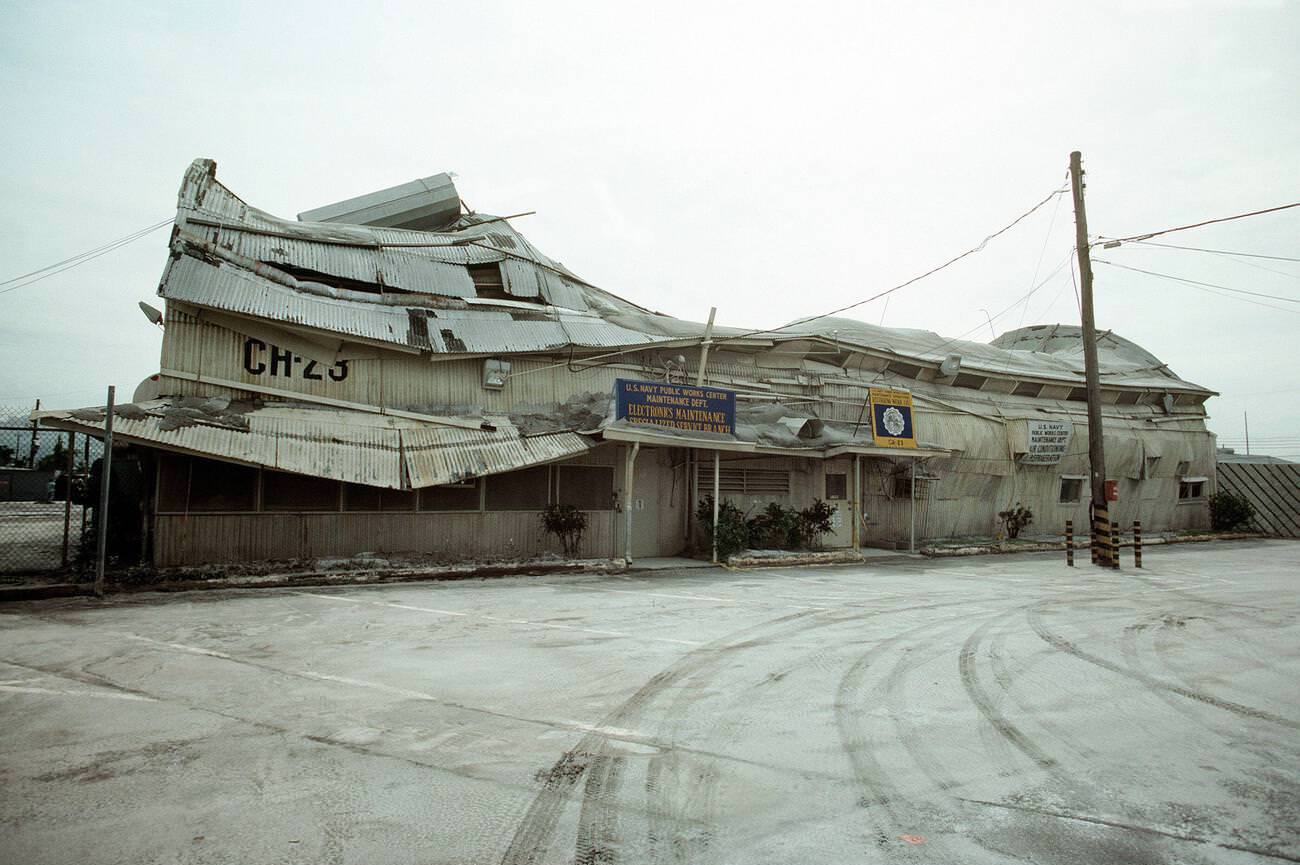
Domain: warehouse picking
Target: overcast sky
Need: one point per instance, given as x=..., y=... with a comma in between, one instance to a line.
x=775, y=160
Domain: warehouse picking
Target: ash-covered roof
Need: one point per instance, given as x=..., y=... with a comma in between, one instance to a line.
x=478, y=286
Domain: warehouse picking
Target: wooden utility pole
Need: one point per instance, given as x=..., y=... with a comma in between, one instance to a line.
x=1096, y=452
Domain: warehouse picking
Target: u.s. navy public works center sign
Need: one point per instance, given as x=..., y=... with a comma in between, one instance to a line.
x=677, y=406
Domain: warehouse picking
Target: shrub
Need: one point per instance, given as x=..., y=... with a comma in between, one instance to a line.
x=1016, y=519
x=1229, y=511
x=733, y=533
x=567, y=523
x=776, y=527
x=814, y=522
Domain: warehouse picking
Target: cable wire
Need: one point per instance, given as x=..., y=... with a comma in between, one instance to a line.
x=977, y=248
x=78, y=260
x=1151, y=234
x=1216, y=251
x=1210, y=285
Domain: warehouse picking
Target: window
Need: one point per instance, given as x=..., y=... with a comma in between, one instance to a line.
x=1071, y=491
x=451, y=497
x=1183, y=467
x=1028, y=388
x=588, y=488
x=1078, y=394
x=903, y=486
x=837, y=486
x=906, y=370
x=487, y=281
x=526, y=490
x=358, y=497
x=1129, y=397
x=194, y=484
x=745, y=481
x=1191, y=489
x=282, y=491
x=965, y=379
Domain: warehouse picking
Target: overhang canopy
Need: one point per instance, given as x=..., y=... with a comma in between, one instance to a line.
x=357, y=447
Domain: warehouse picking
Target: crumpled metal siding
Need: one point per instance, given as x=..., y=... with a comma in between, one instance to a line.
x=356, y=447
x=344, y=446
x=425, y=271
x=233, y=289
x=520, y=278
x=444, y=455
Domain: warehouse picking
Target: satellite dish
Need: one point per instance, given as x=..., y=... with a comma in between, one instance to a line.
x=154, y=315
x=950, y=365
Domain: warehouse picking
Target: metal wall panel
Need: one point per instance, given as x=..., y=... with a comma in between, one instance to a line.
x=198, y=539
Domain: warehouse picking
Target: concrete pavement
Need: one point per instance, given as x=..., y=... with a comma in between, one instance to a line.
x=989, y=709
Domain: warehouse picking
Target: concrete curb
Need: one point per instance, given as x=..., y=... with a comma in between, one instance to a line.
x=307, y=579
x=838, y=557
x=1079, y=544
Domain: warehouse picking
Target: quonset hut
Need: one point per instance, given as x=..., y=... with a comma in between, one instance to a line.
x=392, y=374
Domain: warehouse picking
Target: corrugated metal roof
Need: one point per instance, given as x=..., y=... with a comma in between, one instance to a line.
x=236, y=290
x=423, y=261
x=444, y=455
x=233, y=289
x=357, y=447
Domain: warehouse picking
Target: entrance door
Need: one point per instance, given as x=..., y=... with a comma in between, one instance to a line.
x=837, y=490
x=645, y=504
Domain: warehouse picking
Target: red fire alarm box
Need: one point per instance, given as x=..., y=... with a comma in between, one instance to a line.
x=1112, y=491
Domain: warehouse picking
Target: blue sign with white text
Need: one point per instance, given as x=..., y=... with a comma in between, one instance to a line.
x=677, y=406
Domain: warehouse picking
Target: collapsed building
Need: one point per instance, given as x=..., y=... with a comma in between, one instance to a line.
x=398, y=374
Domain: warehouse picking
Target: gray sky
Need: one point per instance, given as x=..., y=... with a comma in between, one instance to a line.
x=775, y=160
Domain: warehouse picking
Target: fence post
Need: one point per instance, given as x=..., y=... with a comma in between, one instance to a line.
x=1069, y=543
x=101, y=542
x=1137, y=543
x=67, y=492
x=1114, y=546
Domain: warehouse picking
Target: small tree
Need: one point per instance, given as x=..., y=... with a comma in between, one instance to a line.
x=1016, y=519
x=568, y=524
x=733, y=533
x=1229, y=511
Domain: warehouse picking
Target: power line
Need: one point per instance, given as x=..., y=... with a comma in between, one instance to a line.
x=1152, y=234
x=79, y=259
x=1204, y=286
x=1216, y=251
x=977, y=248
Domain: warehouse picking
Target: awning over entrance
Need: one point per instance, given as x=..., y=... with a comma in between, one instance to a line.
x=357, y=447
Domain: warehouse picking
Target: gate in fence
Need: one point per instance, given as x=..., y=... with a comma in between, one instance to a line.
x=45, y=517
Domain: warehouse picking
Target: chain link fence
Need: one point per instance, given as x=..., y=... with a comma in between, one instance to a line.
x=44, y=512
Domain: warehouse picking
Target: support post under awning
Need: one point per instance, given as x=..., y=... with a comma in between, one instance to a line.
x=629, y=463
x=717, y=483
x=911, y=541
